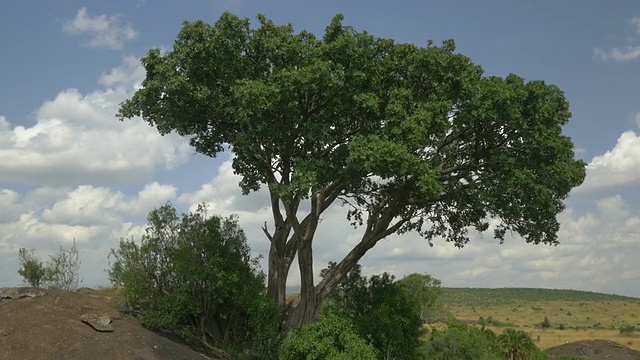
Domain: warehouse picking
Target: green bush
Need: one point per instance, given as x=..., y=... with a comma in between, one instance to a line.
x=627, y=329
x=62, y=271
x=426, y=294
x=461, y=342
x=545, y=324
x=330, y=338
x=517, y=344
x=194, y=275
x=382, y=311
x=31, y=268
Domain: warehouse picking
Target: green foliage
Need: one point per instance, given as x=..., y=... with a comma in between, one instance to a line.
x=409, y=138
x=569, y=357
x=263, y=325
x=461, y=342
x=62, y=271
x=31, y=268
x=545, y=324
x=426, y=293
x=330, y=338
x=627, y=329
x=193, y=274
x=517, y=345
x=381, y=310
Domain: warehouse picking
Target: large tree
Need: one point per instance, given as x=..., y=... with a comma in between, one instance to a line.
x=408, y=138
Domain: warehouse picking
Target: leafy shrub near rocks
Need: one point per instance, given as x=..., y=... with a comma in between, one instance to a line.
x=194, y=275
x=329, y=338
x=62, y=271
x=382, y=311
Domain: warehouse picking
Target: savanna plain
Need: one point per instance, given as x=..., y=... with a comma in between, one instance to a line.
x=550, y=317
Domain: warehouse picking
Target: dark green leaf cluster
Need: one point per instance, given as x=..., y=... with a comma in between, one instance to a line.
x=31, y=268
x=460, y=341
x=395, y=131
x=330, y=338
x=382, y=311
x=193, y=274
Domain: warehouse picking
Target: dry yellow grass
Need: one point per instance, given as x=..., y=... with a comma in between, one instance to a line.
x=570, y=320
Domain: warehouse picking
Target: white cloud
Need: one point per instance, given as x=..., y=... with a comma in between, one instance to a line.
x=77, y=139
x=96, y=217
x=130, y=74
x=105, y=32
x=635, y=21
x=627, y=53
x=618, y=166
x=613, y=206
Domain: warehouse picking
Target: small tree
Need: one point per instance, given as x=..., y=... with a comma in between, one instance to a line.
x=381, y=310
x=63, y=269
x=31, y=268
x=425, y=291
x=194, y=275
x=517, y=345
x=461, y=342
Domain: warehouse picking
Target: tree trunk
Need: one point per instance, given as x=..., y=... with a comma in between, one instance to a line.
x=309, y=306
x=277, y=279
x=279, y=265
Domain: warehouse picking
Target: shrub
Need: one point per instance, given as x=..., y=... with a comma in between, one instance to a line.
x=329, y=338
x=461, y=342
x=627, y=329
x=545, y=324
x=194, y=275
x=31, y=268
x=382, y=311
x=426, y=294
x=62, y=271
x=517, y=344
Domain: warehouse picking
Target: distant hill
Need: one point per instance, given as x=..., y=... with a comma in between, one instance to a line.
x=484, y=296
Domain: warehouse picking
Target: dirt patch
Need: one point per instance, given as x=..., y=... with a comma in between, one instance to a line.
x=49, y=326
x=595, y=350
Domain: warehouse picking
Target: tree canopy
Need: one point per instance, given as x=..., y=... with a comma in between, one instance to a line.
x=408, y=138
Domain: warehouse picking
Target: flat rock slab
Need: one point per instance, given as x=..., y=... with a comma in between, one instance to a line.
x=20, y=292
x=98, y=322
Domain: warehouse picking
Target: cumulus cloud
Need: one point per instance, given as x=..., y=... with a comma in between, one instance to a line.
x=616, y=167
x=96, y=217
x=627, y=53
x=77, y=140
x=104, y=32
x=129, y=75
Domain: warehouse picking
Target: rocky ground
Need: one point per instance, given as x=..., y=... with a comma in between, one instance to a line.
x=56, y=324
x=595, y=350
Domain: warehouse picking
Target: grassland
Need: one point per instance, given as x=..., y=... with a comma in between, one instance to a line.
x=572, y=315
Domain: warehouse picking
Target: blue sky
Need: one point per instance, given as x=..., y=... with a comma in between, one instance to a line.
x=69, y=169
